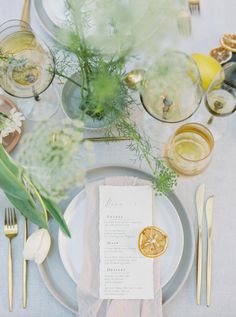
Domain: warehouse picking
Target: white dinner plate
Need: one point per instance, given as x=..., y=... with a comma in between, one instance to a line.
x=72, y=249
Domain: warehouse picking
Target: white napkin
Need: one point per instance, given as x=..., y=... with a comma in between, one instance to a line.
x=88, y=284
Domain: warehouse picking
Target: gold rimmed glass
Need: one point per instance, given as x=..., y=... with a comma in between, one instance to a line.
x=189, y=150
x=172, y=88
x=27, y=69
x=220, y=99
x=171, y=92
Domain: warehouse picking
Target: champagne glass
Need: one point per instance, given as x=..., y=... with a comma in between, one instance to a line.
x=220, y=99
x=27, y=70
x=171, y=93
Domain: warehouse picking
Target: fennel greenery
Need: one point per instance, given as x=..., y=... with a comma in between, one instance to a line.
x=104, y=93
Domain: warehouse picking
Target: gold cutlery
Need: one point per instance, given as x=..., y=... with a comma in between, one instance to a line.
x=26, y=12
x=184, y=23
x=200, y=205
x=25, y=264
x=209, y=210
x=194, y=7
x=10, y=231
x=107, y=139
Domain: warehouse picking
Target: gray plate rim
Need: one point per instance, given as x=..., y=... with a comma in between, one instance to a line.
x=50, y=28
x=183, y=270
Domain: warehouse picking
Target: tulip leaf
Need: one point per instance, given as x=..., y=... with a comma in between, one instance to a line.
x=56, y=213
x=10, y=184
x=9, y=162
x=29, y=210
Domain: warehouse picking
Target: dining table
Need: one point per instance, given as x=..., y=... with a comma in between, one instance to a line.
x=217, y=18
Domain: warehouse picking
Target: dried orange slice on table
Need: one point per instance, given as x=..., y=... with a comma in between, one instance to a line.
x=152, y=242
x=221, y=54
x=228, y=41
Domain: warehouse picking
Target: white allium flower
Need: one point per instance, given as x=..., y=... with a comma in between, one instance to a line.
x=10, y=123
x=60, y=162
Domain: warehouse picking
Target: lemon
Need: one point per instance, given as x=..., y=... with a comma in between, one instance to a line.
x=208, y=68
x=152, y=242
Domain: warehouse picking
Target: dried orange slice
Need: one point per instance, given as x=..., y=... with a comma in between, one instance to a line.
x=221, y=54
x=228, y=41
x=152, y=242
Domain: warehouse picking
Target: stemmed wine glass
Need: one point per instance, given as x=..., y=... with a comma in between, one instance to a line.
x=27, y=70
x=171, y=93
x=220, y=100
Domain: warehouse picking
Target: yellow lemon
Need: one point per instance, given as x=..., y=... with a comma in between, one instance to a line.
x=208, y=68
x=152, y=242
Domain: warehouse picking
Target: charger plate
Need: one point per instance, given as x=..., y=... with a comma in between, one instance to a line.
x=50, y=16
x=62, y=286
x=75, y=216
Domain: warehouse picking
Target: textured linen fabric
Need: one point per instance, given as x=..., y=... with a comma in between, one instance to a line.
x=217, y=17
x=88, y=284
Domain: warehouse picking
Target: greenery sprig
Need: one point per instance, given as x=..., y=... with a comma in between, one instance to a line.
x=104, y=93
x=164, y=178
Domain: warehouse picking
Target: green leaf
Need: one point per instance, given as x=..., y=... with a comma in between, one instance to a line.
x=9, y=162
x=56, y=213
x=10, y=184
x=29, y=210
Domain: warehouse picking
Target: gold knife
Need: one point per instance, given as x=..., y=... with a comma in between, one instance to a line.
x=200, y=205
x=209, y=211
x=25, y=264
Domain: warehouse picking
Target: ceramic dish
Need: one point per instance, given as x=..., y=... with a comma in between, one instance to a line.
x=62, y=286
x=10, y=141
x=168, y=220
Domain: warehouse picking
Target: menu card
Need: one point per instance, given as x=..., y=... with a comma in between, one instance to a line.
x=124, y=272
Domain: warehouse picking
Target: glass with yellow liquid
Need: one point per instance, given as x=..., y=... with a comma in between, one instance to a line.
x=190, y=149
x=27, y=69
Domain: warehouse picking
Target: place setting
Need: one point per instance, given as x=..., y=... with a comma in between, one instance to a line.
x=112, y=238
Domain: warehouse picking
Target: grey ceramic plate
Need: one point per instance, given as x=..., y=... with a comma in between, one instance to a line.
x=51, y=28
x=63, y=288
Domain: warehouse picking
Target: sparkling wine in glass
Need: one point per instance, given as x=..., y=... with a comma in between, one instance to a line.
x=27, y=69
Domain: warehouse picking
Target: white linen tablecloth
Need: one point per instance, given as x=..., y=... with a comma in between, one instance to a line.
x=218, y=17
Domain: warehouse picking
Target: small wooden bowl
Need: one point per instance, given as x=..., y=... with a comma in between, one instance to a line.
x=12, y=139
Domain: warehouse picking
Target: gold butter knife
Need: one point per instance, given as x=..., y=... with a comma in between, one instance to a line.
x=25, y=264
x=200, y=205
x=209, y=210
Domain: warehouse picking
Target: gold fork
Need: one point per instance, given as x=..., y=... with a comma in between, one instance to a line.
x=194, y=7
x=184, y=23
x=10, y=231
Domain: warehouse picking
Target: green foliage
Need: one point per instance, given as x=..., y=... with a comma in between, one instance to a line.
x=164, y=178
x=104, y=94
x=20, y=188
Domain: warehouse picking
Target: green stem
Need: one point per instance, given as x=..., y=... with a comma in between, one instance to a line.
x=83, y=74
x=68, y=78
x=37, y=194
